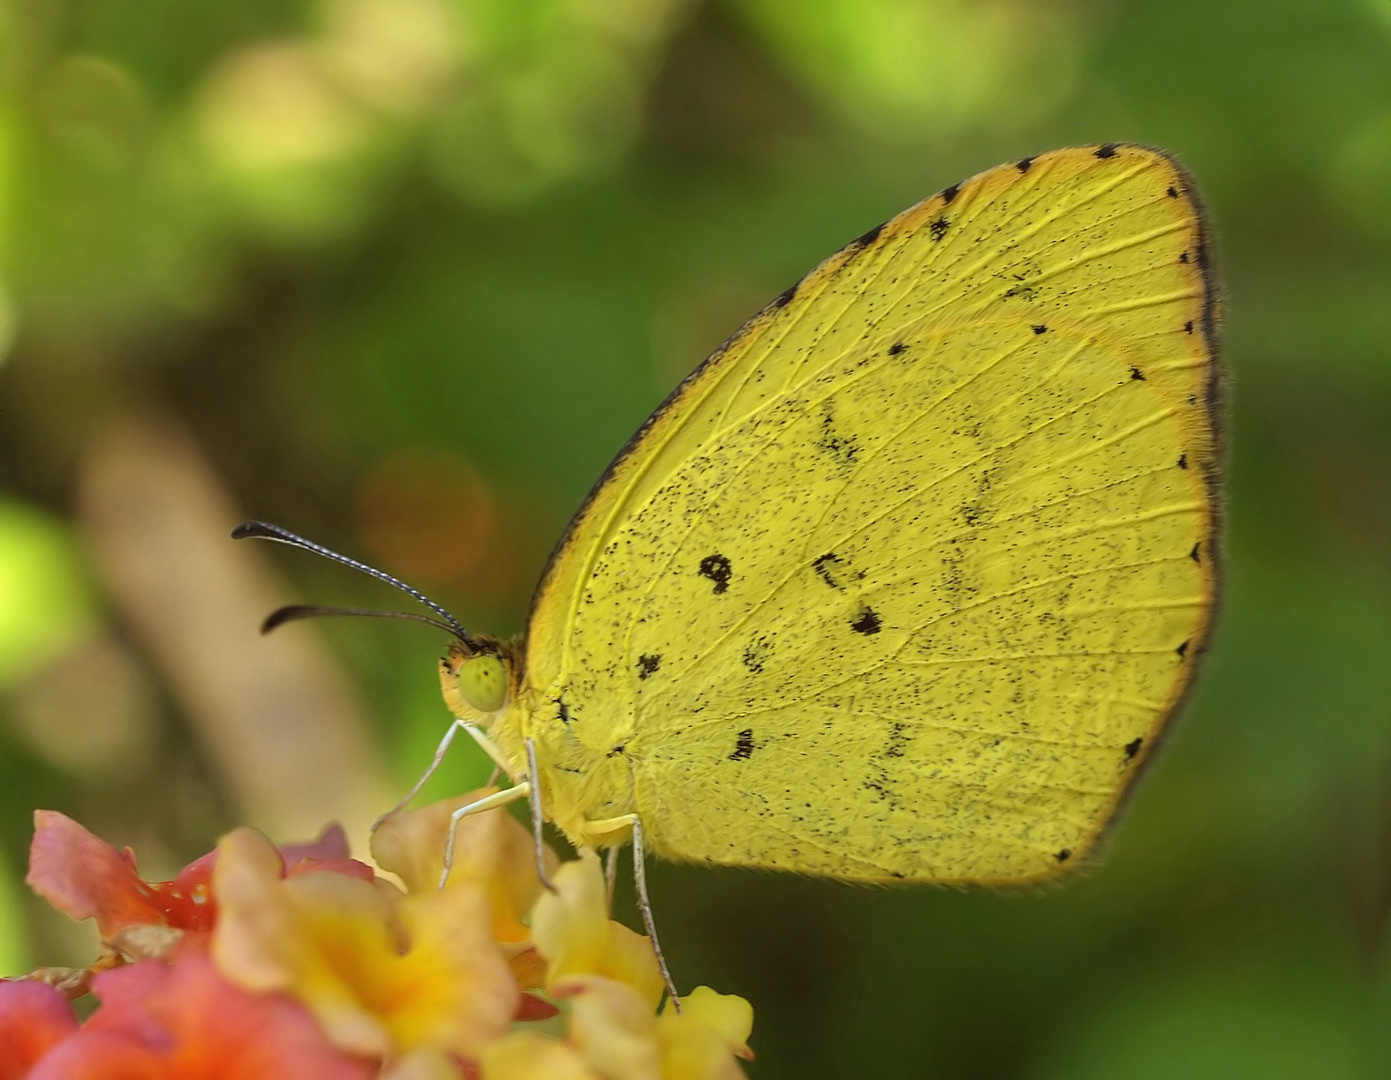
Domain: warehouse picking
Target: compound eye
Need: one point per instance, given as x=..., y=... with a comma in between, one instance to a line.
x=483, y=683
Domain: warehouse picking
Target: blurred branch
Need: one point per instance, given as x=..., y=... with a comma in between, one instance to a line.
x=280, y=720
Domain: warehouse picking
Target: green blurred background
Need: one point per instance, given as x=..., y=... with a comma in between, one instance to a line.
x=404, y=274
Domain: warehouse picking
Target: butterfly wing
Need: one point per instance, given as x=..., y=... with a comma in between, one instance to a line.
x=906, y=580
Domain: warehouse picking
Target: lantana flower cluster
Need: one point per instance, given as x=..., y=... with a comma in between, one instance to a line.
x=302, y=962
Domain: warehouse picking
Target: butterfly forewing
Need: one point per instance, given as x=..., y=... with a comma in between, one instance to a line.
x=906, y=580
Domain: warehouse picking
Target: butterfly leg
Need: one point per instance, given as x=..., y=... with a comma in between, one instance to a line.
x=489, y=802
x=645, y=906
x=610, y=872
x=609, y=826
x=489, y=747
x=538, y=816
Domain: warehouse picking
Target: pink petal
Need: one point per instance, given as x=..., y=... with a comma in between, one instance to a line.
x=85, y=877
x=348, y=867
x=33, y=1017
x=185, y=1022
x=331, y=844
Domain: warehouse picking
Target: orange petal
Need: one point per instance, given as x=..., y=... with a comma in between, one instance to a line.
x=528, y=968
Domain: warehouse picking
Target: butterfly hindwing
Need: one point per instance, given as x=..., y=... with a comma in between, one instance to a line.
x=906, y=580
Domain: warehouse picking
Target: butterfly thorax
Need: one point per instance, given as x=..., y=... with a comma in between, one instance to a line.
x=585, y=775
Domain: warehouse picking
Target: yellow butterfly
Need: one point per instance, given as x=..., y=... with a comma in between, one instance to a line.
x=905, y=581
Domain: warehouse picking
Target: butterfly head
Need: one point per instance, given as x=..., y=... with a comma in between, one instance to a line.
x=477, y=678
x=483, y=682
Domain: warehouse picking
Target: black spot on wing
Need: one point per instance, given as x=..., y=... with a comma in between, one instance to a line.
x=617, y=750
x=973, y=514
x=648, y=663
x=1183, y=461
x=785, y=297
x=1024, y=164
x=897, y=347
x=1132, y=748
x=562, y=711
x=718, y=569
x=1066, y=853
x=826, y=567
x=1136, y=374
x=1039, y=328
x=949, y=194
x=1194, y=554
x=867, y=623
x=1188, y=327
x=1182, y=650
x=880, y=788
x=834, y=443
x=938, y=227
x=1183, y=257
x=743, y=746
x=1106, y=150
x=756, y=653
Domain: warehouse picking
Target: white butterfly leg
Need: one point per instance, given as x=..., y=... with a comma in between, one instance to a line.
x=489, y=747
x=609, y=825
x=489, y=802
x=645, y=906
x=610, y=873
x=538, y=816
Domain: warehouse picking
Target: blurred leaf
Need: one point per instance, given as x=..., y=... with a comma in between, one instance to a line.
x=15, y=953
x=47, y=602
x=911, y=70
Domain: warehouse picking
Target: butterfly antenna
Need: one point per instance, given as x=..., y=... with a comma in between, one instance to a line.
x=295, y=612
x=262, y=530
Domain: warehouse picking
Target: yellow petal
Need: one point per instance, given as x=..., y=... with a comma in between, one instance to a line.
x=525, y=1055
x=573, y=932
x=629, y=959
x=256, y=942
x=728, y=1014
x=453, y=989
x=701, y=1042
x=383, y=975
x=570, y=925
x=613, y=1027
x=490, y=847
x=353, y=944
x=421, y=1065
